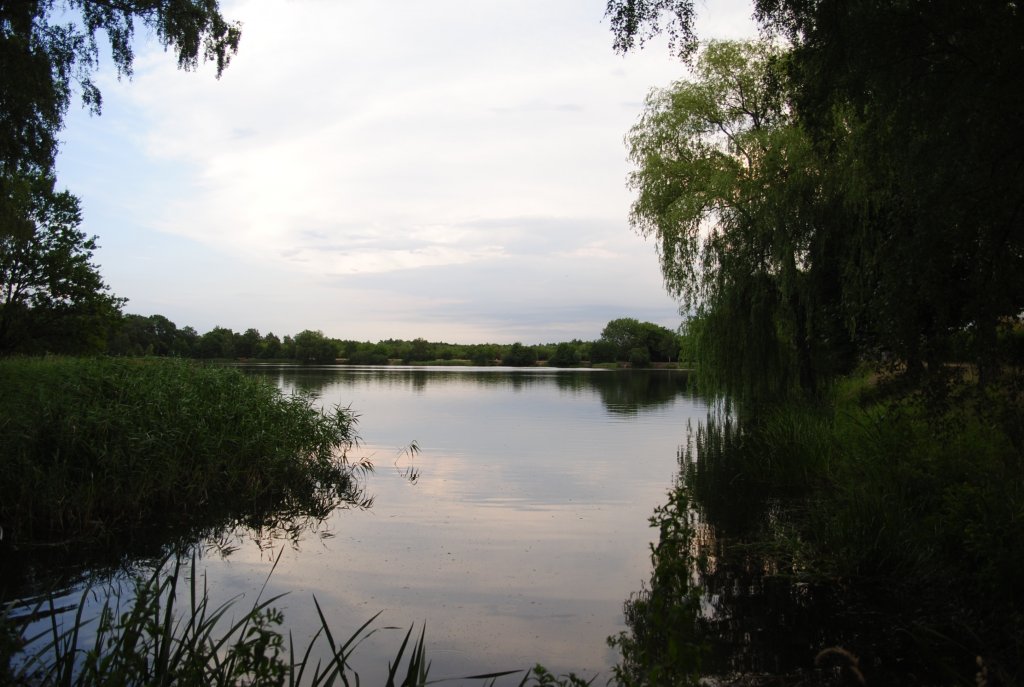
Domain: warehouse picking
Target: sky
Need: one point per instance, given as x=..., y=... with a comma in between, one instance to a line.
x=452, y=170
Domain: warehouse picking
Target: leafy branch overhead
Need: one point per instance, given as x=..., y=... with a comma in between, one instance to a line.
x=48, y=50
x=635, y=22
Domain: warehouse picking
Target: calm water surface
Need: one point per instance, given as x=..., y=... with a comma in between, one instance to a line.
x=515, y=533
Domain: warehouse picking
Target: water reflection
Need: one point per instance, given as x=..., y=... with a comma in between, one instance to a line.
x=622, y=392
x=721, y=607
x=514, y=528
x=728, y=602
x=36, y=569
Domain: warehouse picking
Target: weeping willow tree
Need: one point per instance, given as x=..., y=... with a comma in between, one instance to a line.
x=730, y=187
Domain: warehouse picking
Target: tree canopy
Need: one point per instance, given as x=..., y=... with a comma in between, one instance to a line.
x=48, y=50
x=640, y=342
x=858, y=193
x=52, y=297
x=728, y=184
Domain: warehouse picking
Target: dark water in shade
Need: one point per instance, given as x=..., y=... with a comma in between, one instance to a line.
x=515, y=533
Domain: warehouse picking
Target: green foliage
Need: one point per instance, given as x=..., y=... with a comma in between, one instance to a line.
x=623, y=334
x=626, y=337
x=639, y=357
x=633, y=23
x=219, y=342
x=518, y=355
x=364, y=357
x=542, y=677
x=154, y=335
x=935, y=196
x=247, y=345
x=483, y=354
x=108, y=447
x=729, y=184
x=932, y=503
x=48, y=49
x=52, y=298
x=858, y=189
x=870, y=522
x=314, y=347
x=854, y=198
x=565, y=355
x=420, y=350
x=269, y=346
x=602, y=351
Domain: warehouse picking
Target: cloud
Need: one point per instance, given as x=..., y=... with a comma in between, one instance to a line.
x=441, y=160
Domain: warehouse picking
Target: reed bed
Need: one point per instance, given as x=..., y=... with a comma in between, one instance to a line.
x=106, y=447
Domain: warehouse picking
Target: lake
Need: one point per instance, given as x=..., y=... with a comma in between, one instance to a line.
x=517, y=530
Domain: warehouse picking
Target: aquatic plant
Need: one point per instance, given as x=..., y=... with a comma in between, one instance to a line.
x=103, y=448
x=144, y=636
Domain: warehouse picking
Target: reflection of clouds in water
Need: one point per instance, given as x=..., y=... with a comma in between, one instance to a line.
x=526, y=529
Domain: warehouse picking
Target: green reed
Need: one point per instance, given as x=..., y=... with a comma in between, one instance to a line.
x=104, y=447
x=164, y=630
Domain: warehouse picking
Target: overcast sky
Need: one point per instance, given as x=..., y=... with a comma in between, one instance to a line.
x=452, y=169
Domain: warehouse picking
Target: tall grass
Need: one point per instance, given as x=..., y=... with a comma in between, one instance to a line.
x=146, y=638
x=164, y=631
x=109, y=447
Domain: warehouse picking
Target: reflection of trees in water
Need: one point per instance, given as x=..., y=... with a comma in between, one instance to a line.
x=52, y=569
x=724, y=602
x=628, y=392
x=622, y=392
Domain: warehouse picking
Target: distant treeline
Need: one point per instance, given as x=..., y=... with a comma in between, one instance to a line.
x=623, y=340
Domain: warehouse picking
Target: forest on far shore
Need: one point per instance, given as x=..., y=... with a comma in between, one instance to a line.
x=623, y=340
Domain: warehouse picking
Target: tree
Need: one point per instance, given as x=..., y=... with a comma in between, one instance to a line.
x=634, y=22
x=186, y=343
x=603, y=351
x=729, y=184
x=53, y=298
x=518, y=355
x=139, y=335
x=48, y=49
x=269, y=346
x=639, y=357
x=419, y=350
x=247, y=345
x=483, y=354
x=624, y=335
x=565, y=355
x=662, y=344
x=313, y=347
x=915, y=115
x=219, y=342
x=930, y=92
